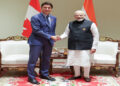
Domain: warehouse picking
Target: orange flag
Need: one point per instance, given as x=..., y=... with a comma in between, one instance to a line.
x=88, y=8
x=33, y=8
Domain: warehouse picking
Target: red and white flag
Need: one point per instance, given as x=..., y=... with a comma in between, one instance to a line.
x=88, y=8
x=33, y=8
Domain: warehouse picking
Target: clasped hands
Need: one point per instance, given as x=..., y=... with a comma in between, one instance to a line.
x=55, y=38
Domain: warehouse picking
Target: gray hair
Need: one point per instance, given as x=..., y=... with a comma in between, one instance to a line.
x=79, y=11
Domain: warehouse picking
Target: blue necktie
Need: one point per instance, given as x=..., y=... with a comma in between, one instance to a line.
x=47, y=18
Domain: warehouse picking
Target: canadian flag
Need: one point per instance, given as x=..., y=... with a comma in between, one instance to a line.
x=33, y=8
x=88, y=8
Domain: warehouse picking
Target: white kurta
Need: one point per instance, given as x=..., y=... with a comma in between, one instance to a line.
x=81, y=57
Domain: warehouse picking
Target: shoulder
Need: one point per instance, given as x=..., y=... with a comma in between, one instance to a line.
x=88, y=22
x=71, y=22
x=52, y=16
x=93, y=25
x=36, y=16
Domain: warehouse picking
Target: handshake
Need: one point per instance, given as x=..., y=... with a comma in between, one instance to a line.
x=55, y=38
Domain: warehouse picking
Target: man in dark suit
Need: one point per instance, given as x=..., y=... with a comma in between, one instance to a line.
x=41, y=40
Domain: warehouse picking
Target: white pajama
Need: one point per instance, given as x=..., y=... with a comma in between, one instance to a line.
x=77, y=71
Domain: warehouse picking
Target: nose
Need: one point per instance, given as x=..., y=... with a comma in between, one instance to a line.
x=47, y=8
x=79, y=16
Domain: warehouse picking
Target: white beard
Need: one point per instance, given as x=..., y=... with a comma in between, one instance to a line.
x=80, y=19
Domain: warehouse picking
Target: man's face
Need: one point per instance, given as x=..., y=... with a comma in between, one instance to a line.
x=79, y=16
x=46, y=9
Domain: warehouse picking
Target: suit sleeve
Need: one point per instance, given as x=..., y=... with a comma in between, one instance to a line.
x=37, y=30
x=54, y=28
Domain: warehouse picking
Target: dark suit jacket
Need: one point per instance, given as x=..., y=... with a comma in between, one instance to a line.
x=41, y=30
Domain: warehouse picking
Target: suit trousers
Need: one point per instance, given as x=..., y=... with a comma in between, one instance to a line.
x=34, y=54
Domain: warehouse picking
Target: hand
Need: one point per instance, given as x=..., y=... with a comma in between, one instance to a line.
x=58, y=37
x=54, y=38
x=92, y=51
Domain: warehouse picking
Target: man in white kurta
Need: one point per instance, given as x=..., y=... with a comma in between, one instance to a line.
x=81, y=58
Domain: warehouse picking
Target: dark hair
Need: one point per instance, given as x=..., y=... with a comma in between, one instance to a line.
x=47, y=3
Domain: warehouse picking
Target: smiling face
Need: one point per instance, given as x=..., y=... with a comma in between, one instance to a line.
x=79, y=15
x=46, y=9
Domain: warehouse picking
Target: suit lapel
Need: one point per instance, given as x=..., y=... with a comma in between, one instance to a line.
x=51, y=21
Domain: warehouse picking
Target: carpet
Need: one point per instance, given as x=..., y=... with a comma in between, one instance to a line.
x=18, y=77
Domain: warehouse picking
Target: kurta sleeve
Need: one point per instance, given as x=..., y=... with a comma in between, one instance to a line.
x=95, y=34
x=65, y=33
